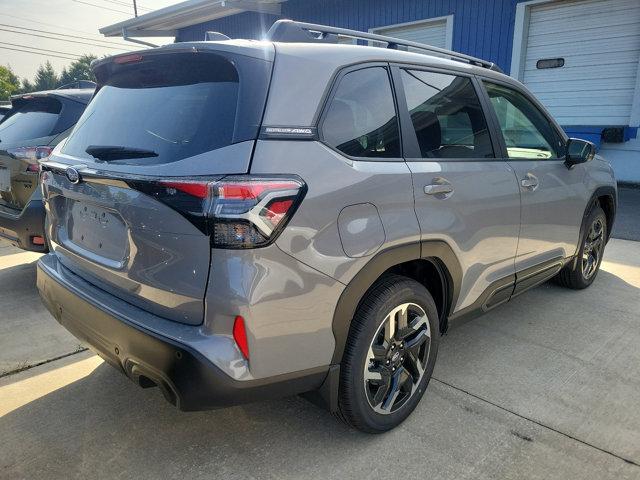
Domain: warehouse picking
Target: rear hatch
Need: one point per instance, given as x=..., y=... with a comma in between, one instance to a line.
x=26, y=133
x=124, y=193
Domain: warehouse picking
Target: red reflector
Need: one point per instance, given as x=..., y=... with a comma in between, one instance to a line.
x=199, y=190
x=127, y=58
x=37, y=240
x=240, y=336
x=33, y=168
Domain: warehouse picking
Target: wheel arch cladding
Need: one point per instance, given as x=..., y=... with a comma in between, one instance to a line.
x=607, y=198
x=420, y=261
x=607, y=202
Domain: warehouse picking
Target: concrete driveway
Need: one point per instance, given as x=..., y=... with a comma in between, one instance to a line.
x=547, y=386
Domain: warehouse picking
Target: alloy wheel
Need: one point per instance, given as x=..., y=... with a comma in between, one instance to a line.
x=592, y=250
x=397, y=358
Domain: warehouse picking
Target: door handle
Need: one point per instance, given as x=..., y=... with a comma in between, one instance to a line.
x=435, y=189
x=530, y=182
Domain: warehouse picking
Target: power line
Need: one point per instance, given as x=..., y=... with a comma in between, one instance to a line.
x=125, y=4
x=100, y=6
x=64, y=40
x=64, y=35
x=57, y=25
x=40, y=49
x=37, y=53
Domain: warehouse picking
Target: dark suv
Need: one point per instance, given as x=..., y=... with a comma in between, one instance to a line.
x=35, y=124
x=268, y=218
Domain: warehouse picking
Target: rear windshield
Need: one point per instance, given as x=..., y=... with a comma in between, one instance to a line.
x=31, y=119
x=170, y=106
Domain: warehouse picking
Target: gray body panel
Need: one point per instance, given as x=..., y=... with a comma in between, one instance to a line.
x=130, y=245
x=354, y=212
x=479, y=219
x=335, y=182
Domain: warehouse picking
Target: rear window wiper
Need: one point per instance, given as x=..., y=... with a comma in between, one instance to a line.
x=115, y=152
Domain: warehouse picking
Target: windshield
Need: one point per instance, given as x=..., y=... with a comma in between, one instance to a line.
x=35, y=118
x=171, y=106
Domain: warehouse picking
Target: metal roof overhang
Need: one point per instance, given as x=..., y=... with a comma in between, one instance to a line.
x=166, y=21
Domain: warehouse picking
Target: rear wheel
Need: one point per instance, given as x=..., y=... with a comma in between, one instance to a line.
x=390, y=355
x=581, y=273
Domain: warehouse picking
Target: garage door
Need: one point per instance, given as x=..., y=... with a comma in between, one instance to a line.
x=582, y=59
x=430, y=32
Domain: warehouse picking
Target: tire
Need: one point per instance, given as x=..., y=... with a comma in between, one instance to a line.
x=403, y=363
x=581, y=273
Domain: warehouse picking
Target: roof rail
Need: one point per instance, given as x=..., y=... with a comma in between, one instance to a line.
x=292, y=31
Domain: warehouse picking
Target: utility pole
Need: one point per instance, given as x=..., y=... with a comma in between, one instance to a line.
x=135, y=8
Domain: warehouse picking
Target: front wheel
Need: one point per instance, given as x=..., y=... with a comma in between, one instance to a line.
x=390, y=355
x=581, y=273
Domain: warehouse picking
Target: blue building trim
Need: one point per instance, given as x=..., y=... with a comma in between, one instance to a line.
x=482, y=28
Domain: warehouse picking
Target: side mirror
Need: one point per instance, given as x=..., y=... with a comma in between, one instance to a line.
x=579, y=151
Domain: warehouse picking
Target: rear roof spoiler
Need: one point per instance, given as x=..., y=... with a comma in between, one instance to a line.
x=290, y=31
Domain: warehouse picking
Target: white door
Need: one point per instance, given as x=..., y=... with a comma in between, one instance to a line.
x=581, y=59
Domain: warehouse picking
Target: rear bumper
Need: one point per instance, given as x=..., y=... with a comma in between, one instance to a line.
x=20, y=228
x=185, y=376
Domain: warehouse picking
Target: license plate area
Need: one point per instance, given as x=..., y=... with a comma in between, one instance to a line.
x=94, y=232
x=5, y=180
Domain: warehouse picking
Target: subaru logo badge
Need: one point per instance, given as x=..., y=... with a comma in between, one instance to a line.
x=72, y=175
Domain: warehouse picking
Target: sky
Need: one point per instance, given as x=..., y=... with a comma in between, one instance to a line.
x=70, y=17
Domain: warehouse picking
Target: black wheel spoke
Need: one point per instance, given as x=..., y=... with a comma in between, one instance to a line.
x=414, y=366
x=393, y=391
x=415, y=342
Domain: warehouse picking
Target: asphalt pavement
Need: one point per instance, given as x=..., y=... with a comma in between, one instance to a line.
x=627, y=224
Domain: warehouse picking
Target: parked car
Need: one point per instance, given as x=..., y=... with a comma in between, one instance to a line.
x=4, y=109
x=35, y=124
x=235, y=220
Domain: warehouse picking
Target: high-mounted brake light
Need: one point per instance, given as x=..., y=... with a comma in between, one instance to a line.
x=236, y=211
x=128, y=58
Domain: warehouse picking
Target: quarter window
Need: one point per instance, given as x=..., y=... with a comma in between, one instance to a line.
x=527, y=133
x=446, y=115
x=361, y=120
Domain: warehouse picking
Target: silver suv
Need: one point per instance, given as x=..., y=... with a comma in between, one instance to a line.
x=236, y=220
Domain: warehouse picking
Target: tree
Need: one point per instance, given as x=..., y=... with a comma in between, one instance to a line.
x=9, y=83
x=46, y=78
x=27, y=86
x=78, y=70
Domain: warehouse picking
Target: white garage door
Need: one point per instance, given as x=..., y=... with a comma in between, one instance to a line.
x=432, y=32
x=599, y=43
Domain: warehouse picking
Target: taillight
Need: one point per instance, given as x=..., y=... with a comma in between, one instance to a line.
x=250, y=212
x=236, y=211
x=31, y=155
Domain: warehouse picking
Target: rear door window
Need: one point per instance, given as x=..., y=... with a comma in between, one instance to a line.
x=361, y=119
x=31, y=119
x=446, y=115
x=169, y=107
